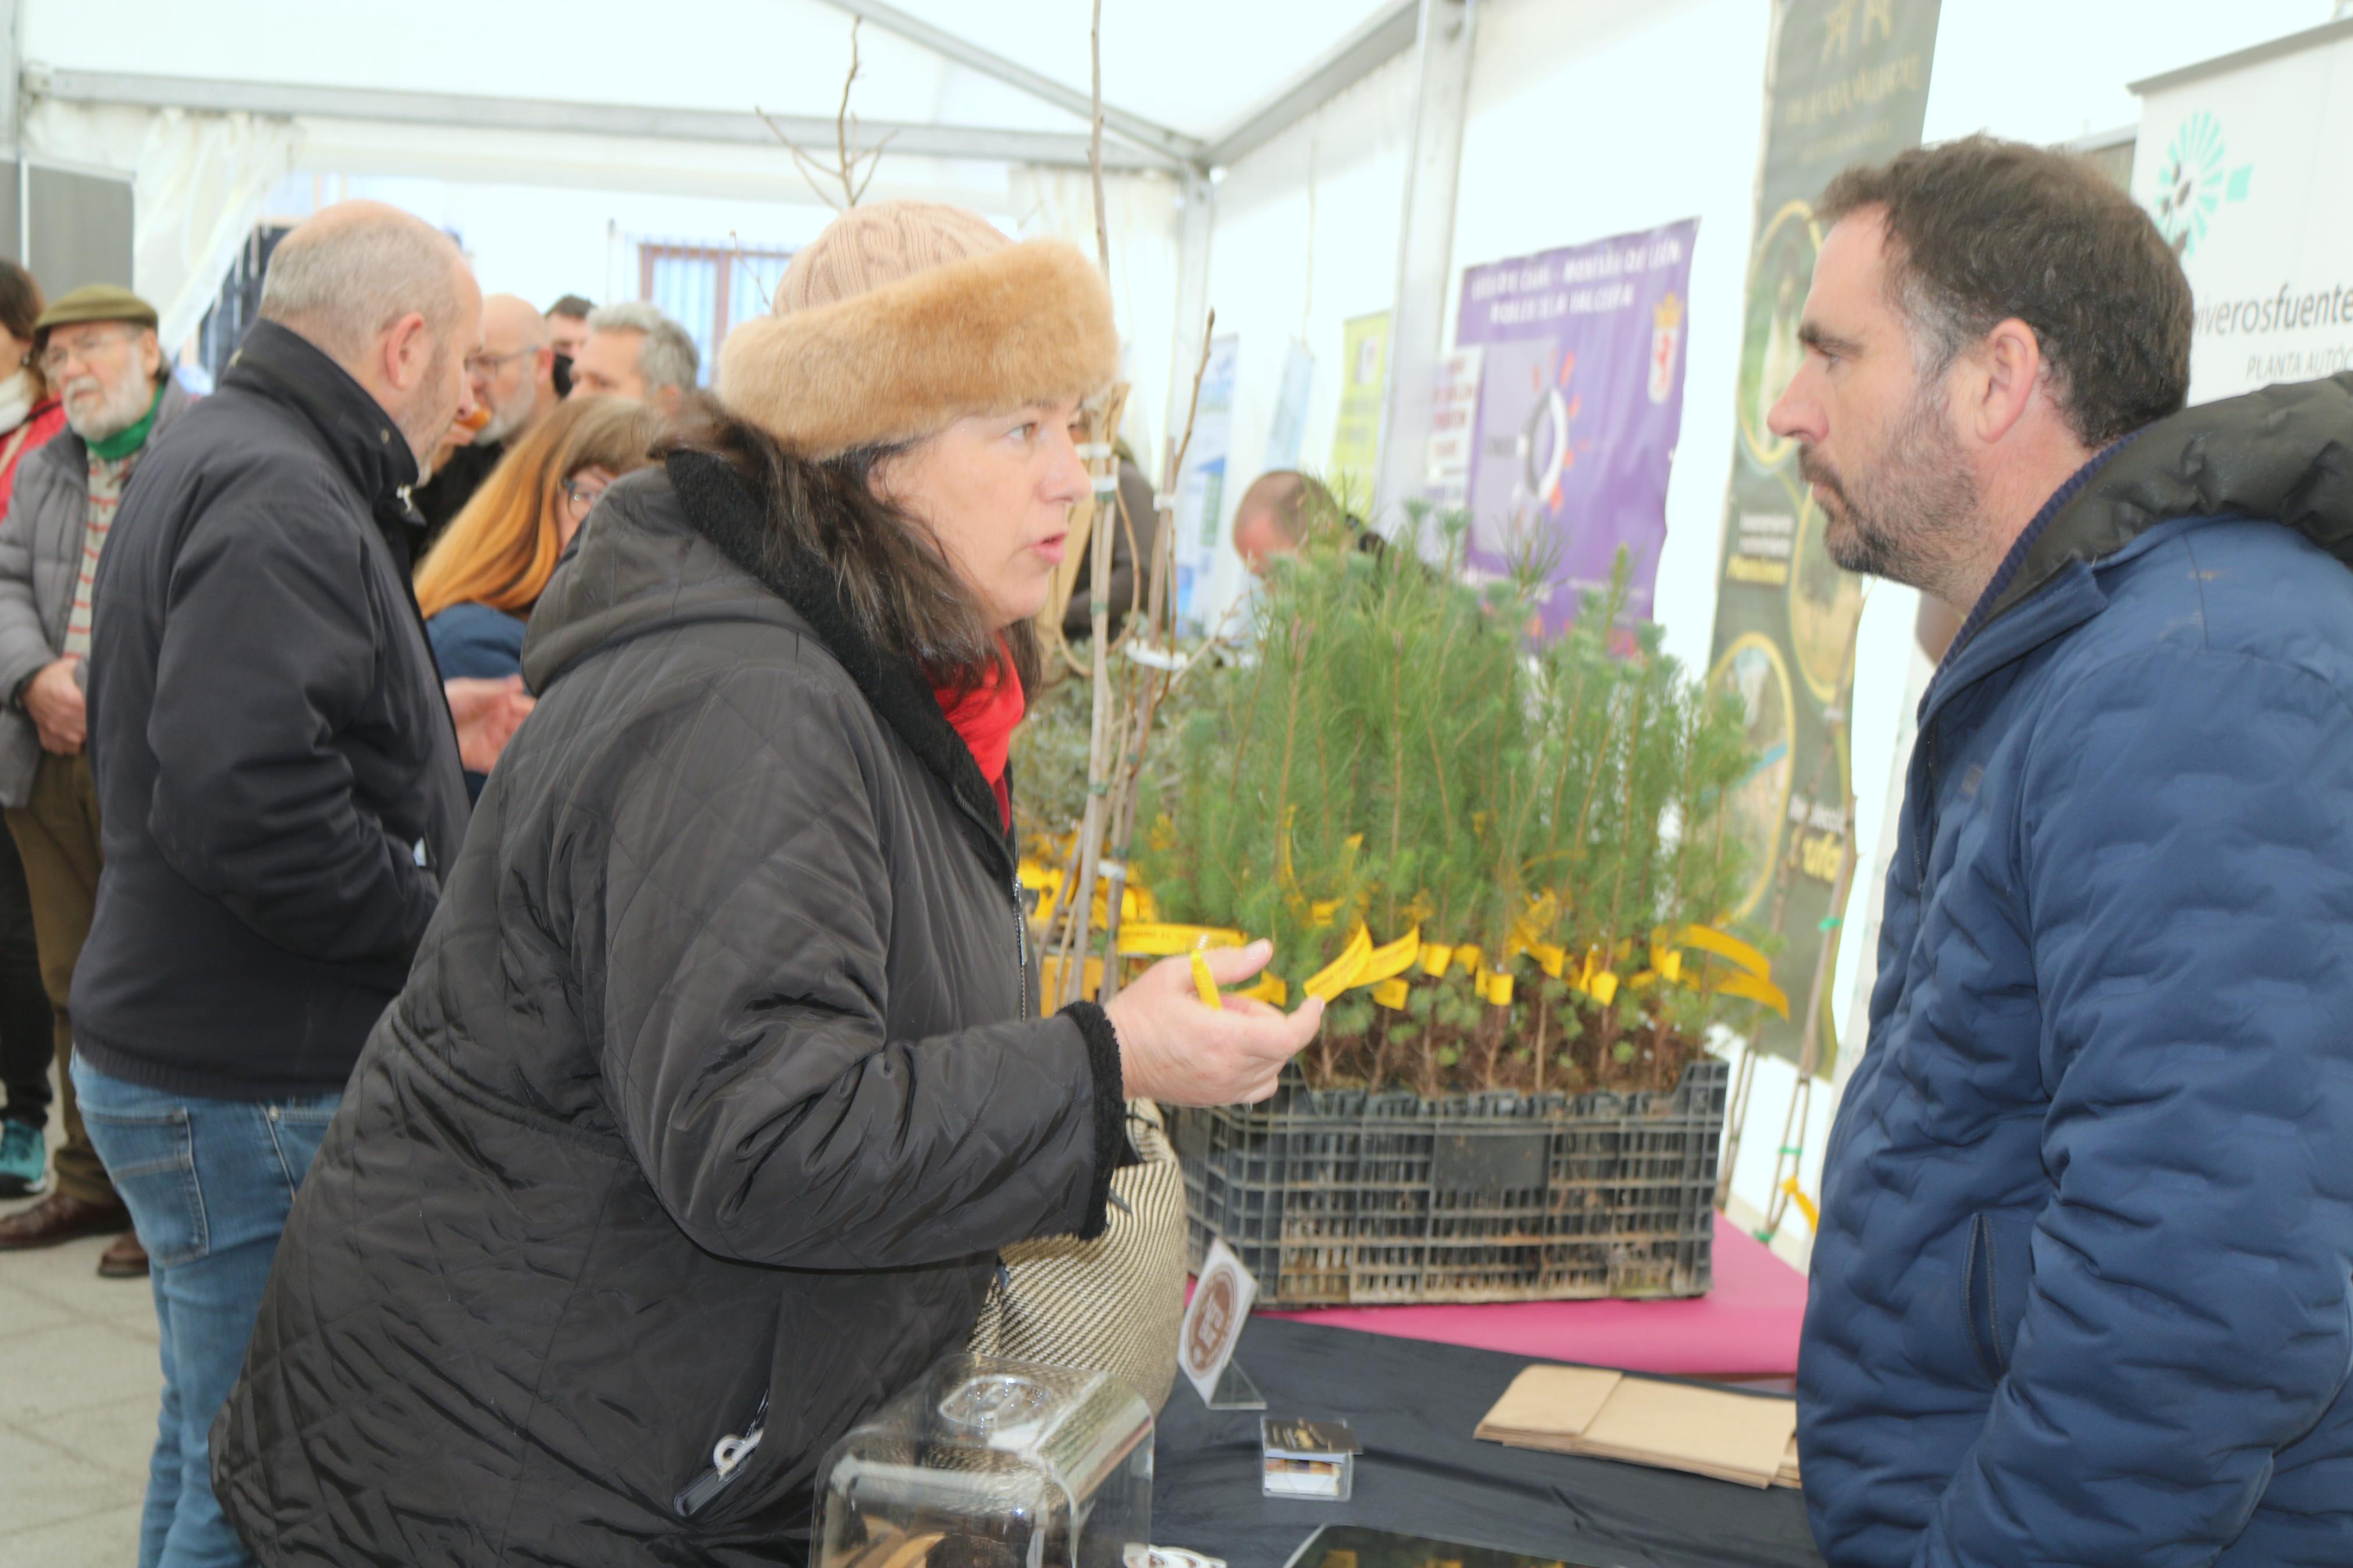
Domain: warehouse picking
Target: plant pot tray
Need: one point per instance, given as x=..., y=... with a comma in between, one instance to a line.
x=1339, y=1197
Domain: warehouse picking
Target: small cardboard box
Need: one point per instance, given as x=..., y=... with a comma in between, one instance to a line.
x=1309, y=1458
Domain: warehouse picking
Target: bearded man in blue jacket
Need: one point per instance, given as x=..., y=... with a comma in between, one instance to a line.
x=2083, y=1292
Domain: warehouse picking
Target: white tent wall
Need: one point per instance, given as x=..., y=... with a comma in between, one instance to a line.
x=544, y=241
x=199, y=182
x=1275, y=276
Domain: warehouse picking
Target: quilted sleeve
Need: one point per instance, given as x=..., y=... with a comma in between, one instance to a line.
x=24, y=649
x=2187, y=860
x=739, y=908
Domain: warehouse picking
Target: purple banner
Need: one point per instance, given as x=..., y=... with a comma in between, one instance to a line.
x=1580, y=400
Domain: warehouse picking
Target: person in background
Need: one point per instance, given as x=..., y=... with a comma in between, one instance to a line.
x=567, y=327
x=635, y=351
x=1281, y=508
x=476, y=592
x=97, y=346
x=29, y=414
x=1129, y=582
x=2082, y=1286
x=279, y=786
x=513, y=380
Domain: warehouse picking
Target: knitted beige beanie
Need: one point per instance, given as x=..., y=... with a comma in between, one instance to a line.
x=904, y=317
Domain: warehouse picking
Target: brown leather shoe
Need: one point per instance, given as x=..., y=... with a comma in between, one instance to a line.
x=62, y=1217
x=125, y=1259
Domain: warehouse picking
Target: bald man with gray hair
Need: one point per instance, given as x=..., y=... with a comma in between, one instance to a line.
x=279, y=782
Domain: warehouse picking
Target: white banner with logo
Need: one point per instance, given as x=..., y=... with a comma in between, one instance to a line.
x=2246, y=162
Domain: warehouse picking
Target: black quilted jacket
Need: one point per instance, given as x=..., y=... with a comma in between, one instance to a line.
x=716, y=1086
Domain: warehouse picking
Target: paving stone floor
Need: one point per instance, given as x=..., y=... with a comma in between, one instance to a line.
x=79, y=1391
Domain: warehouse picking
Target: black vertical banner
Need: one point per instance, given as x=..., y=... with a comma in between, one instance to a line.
x=1848, y=83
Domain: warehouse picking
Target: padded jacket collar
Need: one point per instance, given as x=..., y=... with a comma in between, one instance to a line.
x=2281, y=454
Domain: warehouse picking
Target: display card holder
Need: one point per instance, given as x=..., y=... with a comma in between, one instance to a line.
x=1235, y=1391
x=1213, y=1324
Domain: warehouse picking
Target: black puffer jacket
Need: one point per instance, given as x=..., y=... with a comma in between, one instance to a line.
x=716, y=1086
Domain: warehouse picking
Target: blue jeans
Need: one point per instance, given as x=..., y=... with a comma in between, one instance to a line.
x=209, y=1183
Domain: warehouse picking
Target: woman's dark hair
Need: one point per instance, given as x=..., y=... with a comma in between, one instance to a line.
x=1980, y=230
x=897, y=585
x=20, y=306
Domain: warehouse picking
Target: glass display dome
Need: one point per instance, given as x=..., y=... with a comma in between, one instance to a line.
x=994, y=1464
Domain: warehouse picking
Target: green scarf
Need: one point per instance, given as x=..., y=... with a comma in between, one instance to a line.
x=131, y=437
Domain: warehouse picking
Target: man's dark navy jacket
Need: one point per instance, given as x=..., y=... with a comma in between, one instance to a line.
x=2083, y=1289
x=278, y=778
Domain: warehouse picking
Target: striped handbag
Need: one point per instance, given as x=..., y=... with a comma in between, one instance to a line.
x=1112, y=1304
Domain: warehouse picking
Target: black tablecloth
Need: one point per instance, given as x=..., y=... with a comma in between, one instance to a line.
x=1414, y=1406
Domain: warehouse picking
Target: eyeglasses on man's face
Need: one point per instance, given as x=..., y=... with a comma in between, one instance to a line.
x=85, y=347
x=489, y=364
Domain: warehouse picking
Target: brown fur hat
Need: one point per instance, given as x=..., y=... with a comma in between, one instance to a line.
x=903, y=317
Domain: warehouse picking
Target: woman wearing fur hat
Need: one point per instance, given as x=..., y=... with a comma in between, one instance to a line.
x=721, y=1077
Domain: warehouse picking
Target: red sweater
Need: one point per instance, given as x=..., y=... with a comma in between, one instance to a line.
x=987, y=717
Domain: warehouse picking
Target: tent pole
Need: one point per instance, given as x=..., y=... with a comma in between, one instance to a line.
x=1425, y=248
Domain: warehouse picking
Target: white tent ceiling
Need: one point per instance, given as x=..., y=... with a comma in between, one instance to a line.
x=600, y=64
x=982, y=104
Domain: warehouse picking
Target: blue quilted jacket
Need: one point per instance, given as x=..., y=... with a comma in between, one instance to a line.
x=2083, y=1289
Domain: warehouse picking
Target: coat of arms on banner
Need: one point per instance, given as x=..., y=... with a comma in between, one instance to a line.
x=1666, y=342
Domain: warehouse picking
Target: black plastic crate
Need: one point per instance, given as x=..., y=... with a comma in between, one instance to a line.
x=1337, y=1198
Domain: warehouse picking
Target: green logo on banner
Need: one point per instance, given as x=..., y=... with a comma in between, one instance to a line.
x=2192, y=185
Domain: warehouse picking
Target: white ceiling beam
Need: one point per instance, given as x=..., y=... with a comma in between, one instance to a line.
x=1176, y=145
x=1380, y=39
x=981, y=143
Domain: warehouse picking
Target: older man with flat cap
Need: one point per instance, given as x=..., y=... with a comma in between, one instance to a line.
x=97, y=347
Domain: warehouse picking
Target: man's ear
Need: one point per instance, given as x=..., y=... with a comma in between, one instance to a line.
x=407, y=350
x=2009, y=361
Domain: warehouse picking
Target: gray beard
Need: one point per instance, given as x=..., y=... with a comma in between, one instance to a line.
x=504, y=422
x=122, y=409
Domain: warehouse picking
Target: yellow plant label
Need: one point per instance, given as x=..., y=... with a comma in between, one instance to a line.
x=1147, y=939
x=1707, y=939
x=1391, y=993
x=1341, y=973
x=1205, y=983
x=1390, y=958
x=1273, y=990
x=1757, y=989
